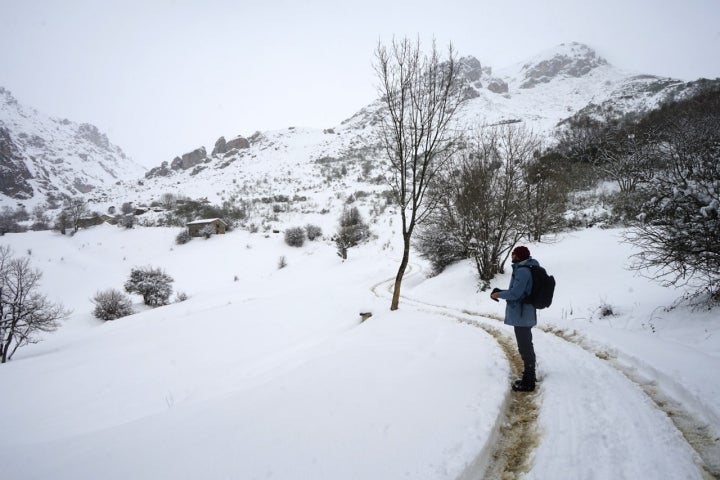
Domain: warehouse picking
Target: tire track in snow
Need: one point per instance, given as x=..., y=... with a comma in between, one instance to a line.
x=517, y=435
x=698, y=434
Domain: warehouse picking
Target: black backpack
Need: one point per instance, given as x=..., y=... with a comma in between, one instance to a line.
x=543, y=287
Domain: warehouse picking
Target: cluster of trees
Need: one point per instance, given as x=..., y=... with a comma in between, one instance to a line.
x=15, y=221
x=498, y=189
x=190, y=210
x=74, y=212
x=467, y=194
x=666, y=165
x=476, y=195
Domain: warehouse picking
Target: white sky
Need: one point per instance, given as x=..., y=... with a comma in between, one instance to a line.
x=162, y=77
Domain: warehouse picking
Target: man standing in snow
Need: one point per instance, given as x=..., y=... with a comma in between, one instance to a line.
x=521, y=315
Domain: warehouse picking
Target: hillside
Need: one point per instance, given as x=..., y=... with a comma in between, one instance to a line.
x=266, y=372
x=541, y=92
x=42, y=158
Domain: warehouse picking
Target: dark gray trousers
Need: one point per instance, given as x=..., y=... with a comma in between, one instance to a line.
x=523, y=335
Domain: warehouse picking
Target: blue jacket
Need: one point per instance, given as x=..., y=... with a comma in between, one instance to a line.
x=519, y=314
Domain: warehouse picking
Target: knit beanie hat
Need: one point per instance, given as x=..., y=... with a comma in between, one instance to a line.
x=522, y=253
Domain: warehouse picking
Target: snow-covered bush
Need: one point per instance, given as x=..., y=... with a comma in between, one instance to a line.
x=183, y=237
x=439, y=247
x=127, y=221
x=152, y=283
x=207, y=231
x=112, y=304
x=295, y=236
x=313, y=232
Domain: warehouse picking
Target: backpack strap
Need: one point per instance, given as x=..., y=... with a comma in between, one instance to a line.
x=529, y=294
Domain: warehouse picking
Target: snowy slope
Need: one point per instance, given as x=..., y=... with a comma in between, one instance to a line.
x=42, y=155
x=274, y=375
x=60, y=156
x=540, y=93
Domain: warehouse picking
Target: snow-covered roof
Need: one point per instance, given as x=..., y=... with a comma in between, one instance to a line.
x=206, y=220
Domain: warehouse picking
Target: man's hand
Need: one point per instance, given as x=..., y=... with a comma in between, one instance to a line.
x=495, y=294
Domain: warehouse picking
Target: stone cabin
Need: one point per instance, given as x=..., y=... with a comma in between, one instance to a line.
x=87, y=222
x=194, y=228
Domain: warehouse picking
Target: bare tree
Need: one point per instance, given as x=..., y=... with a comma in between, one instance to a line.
x=421, y=95
x=498, y=191
x=679, y=236
x=23, y=310
x=168, y=200
x=627, y=157
x=75, y=209
x=545, y=190
x=491, y=199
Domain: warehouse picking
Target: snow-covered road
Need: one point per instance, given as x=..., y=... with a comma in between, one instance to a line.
x=593, y=419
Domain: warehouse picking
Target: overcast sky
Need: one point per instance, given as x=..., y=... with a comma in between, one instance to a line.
x=162, y=77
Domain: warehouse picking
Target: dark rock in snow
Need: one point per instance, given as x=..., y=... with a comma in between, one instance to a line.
x=189, y=160
x=498, y=86
x=237, y=142
x=578, y=62
x=161, y=171
x=220, y=146
x=14, y=175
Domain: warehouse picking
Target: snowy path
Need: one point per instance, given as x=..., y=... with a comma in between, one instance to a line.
x=593, y=418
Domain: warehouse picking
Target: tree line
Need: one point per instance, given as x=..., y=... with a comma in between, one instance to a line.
x=475, y=192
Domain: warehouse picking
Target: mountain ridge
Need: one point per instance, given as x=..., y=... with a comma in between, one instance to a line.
x=542, y=93
x=46, y=156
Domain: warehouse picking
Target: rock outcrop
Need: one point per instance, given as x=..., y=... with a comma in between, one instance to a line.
x=14, y=175
x=574, y=60
x=190, y=159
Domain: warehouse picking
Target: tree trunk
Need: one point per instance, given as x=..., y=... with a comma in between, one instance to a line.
x=6, y=349
x=401, y=273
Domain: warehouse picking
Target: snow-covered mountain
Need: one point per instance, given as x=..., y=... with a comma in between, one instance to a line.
x=541, y=93
x=41, y=156
x=46, y=155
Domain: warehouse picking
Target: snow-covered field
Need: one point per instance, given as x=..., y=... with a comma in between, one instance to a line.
x=270, y=373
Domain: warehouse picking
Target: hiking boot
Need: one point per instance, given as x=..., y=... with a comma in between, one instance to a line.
x=522, y=386
x=526, y=383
